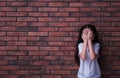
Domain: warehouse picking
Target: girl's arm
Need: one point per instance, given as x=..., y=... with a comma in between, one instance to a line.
x=84, y=47
x=83, y=53
x=92, y=52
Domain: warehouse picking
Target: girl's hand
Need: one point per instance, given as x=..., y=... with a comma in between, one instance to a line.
x=84, y=35
x=90, y=35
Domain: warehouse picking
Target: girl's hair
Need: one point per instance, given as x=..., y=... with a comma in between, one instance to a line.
x=80, y=40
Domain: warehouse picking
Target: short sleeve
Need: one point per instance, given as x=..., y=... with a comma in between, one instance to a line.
x=80, y=48
x=97, y=48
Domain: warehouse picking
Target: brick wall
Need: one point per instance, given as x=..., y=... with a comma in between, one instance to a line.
x=38, y=37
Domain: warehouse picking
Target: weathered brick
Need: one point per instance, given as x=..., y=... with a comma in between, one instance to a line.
x=37, y=4
x=58, y=4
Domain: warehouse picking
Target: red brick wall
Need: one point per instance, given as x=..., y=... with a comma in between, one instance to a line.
x=38, y=37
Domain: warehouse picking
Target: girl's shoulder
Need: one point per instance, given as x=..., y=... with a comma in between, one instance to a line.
x=80, y=44
x=96, y=44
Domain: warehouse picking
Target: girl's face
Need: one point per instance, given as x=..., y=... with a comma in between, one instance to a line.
x=89, y=32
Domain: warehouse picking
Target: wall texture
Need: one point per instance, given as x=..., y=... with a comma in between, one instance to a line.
x=38, y=37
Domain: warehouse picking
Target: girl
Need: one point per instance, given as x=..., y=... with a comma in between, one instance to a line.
x=88, y=52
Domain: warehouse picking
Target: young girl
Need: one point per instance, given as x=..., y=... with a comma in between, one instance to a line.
x=88, y=52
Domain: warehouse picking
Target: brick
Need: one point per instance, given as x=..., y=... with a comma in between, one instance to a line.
x=58, y=24
x=37, y=33
x=30, y=58
x=89, y=9
x=27, y=29
x=66, y=48
x=38, y=24
x=17, y=3
x=2, y=3
x=17, y=53
x=26, y=19
x=17, y=23
x=26, y=9
x=52, y=76
x=60, y=72
x=9, y=67
x=69, y=9
x=2, y=34
x=38, y=53
x=20, y=72
x=57, y=43
x=8, y=47
x=50, y=58
x=7, y=18
x=29, y=38
x=112, y=29
x=10, y=76
x=8, y=0
x=100, y=4
x=116, y=14
x=69, y=39
x=15, y=34
x=3, y=63
x=16, y=13
x=47, y=19
x=28, y=48
x=53, y=67
x=57, y=34
x=47, y=9
x=40, y=63
x=3, y=14
x=110, y=9
x=78, y=14
x=8, y=38
x=59, y=53
x=88, y=1
x=40, y=4
x=78, y=4
x=117, y=34
x=6, y=9
x=8, y=58
x=47, y=29
x=110, y=19
x=2, y=24
x=58, y=4
x=7, y=29
x=3, y=53
x=69, y=19
x=29, y=67
x=117, y=4
x=3, y=72
x=36, y=43
x=49, y=48
x=37, y=14
x=89, y=19
x=70, y=67
x=16, y=43
x=111, y=38
x=50, y=38
x=39, y=72
x=100, y=14
x=59, y=14
x=63, y=29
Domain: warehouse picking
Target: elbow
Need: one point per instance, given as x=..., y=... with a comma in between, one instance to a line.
x=83, y=58
x=93, y=57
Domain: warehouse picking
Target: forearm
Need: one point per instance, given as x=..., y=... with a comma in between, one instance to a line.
x=83, y=53
x=92, y=52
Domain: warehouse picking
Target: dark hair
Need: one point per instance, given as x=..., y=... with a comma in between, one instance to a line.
x=80, y=40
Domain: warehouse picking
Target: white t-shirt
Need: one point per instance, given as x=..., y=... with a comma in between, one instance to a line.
x=89, y=68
